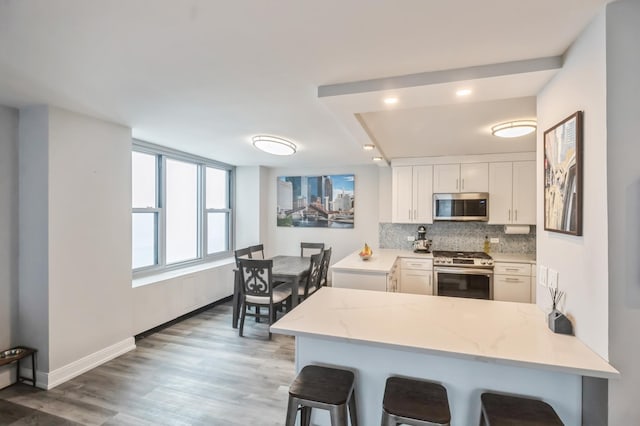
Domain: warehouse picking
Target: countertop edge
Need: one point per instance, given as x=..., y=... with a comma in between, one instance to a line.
x=501, y=361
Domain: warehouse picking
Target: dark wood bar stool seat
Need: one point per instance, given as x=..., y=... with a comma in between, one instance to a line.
x=414, y=402
x=506, y=410
x=326, y=388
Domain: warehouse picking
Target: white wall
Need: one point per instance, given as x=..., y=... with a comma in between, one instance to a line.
x=75, y=240
x=581, y=261
x=8, y=234
x=623, y=177
x=248, y=202
x=283, y=240
x=33, y=309
x=89, y=235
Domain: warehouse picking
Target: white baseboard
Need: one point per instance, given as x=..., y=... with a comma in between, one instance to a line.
x=60, y=375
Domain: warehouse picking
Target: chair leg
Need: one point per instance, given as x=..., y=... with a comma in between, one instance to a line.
x=271, y=314
x=387, y=420
x=353, y=413
x=338, y=415
x=257, y=313
x=243, y=312
x=305, y=416
x=292, y=411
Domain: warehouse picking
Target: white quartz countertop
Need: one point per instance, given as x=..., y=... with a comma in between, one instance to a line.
x=381, y=261
x=501, y=332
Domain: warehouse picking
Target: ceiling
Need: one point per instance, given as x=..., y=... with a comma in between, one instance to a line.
x=204, y=76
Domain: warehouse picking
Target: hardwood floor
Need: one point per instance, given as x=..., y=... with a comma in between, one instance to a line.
x=196, y=372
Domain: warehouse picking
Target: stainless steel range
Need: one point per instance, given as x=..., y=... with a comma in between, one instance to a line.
x=463, y=274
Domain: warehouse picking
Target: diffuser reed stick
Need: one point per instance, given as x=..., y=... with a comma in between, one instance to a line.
x=556, y=295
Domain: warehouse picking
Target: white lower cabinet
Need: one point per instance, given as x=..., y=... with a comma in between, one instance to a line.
x=512, y=282
x=360, y=280
x=416, y=276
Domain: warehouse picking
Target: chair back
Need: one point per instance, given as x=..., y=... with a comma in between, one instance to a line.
x=326, y=258
x=315, y=270
x=244, y=253
x=311, y=246
x=257, y=252
x=256, y=277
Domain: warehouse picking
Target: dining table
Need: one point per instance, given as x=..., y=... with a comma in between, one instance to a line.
x=292, y=270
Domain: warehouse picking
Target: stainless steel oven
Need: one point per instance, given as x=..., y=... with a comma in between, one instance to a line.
x=463, y=274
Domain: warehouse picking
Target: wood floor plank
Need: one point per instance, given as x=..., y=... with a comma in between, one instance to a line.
x=196, y=372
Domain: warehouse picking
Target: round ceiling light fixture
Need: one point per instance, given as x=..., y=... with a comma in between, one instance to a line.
x=513, y=129
x=274, y=145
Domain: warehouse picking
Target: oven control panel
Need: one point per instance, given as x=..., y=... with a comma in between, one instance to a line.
x=453, y=261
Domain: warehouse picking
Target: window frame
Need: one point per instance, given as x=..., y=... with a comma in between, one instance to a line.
x=162, y=154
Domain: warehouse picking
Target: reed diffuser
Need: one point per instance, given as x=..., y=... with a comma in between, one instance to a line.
x=557, y=321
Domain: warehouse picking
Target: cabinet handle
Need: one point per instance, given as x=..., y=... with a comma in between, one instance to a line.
x=415, y=214
x=512, y=280
x=516, y=219
x=462, y=183
x=509, y=215
x=456, y=184
x=512, y=269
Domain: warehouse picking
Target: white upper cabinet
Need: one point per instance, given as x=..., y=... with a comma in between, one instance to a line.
x=524, y=192
x=466, y=177
x=512, y=193
x=412, y=194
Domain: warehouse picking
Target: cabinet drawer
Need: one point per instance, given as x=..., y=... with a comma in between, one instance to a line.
x=512, y=269
x=512, y=288
x=412, y=263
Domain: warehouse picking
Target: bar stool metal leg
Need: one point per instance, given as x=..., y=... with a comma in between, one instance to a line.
x=353, y=413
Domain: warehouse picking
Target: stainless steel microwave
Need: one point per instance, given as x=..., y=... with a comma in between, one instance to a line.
x=470, y=206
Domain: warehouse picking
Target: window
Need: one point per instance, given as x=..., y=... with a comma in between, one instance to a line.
x=181, y=209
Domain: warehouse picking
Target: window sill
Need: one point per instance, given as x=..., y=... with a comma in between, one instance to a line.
x=167, y=275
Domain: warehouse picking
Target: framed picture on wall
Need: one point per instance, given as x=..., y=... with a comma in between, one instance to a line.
x=316, y=201
x=563, y=176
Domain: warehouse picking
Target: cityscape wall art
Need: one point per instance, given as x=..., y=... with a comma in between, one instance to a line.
x=316, y=201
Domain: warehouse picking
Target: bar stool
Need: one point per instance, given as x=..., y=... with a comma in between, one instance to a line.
x=325, y=388
x=506, y=410
x=414, y=402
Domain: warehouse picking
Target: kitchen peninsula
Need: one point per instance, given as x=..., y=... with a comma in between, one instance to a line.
x=468, y=345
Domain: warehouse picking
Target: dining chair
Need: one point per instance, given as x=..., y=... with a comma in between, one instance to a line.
x=257, y=250
x=258, y=291
x=313, y=279
x=324, y=271
x=311, y=246
x=243, y=253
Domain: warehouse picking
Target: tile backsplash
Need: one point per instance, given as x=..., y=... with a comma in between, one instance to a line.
x=467, y=236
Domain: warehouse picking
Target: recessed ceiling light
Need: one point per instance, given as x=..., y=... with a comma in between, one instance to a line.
x=463, y=92
x=274, y=145
x=377, y=158
x=368, y=147
x=391, y=101
x=513, y=129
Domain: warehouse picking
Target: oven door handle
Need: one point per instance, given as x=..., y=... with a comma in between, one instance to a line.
x=463, y=271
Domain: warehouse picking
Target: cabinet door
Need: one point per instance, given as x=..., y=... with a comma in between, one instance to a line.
x=524, y=192
x=423, y=194
x=500, y=193
x=446, y=178
x=474, y=177
x=512, y=288
x=416, y=282
x=402, y=194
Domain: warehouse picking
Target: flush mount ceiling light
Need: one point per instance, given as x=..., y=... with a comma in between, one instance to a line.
x=463, y=92
x=391, y=101
x=377, y=158
x=368, y=147
x=513, y=129
x=274, y=145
